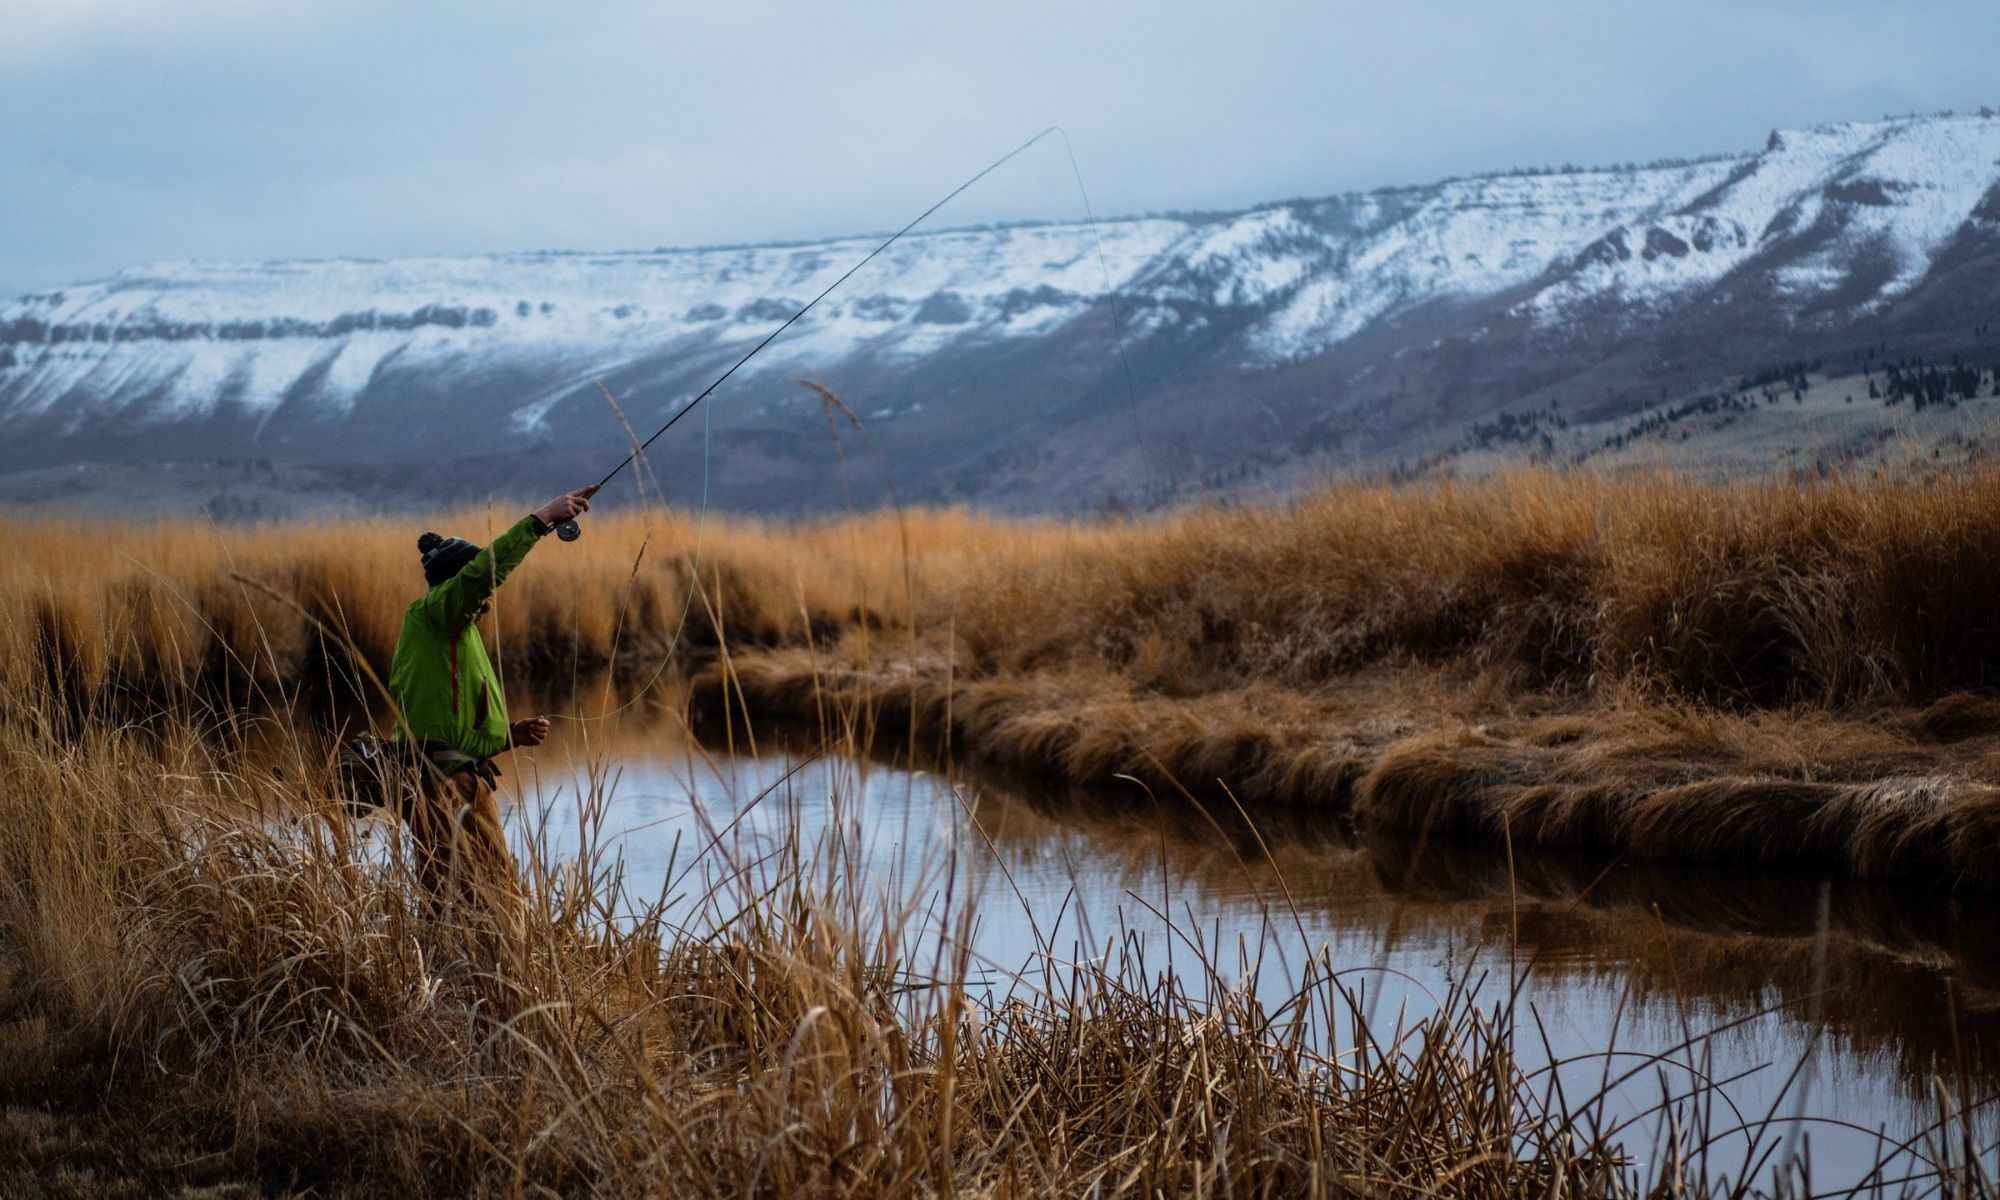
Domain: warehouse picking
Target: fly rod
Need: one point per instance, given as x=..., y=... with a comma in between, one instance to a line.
x=569, y=530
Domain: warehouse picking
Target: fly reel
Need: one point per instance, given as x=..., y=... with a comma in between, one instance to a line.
x=569, y=530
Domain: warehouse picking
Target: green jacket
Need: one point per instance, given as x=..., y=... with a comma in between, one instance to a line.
x=441, y=678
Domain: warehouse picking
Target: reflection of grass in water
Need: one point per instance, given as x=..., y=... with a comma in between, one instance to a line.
x=210, y=984
x=1873, y=794
x=1891, y=972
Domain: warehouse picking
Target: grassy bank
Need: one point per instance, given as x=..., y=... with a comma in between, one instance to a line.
x=213, y=987
x=212, y=982
x=1749, y=673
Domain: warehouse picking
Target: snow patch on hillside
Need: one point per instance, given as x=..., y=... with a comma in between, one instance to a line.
x=1815, y=212
x=1837, y=193
x=1472, y=238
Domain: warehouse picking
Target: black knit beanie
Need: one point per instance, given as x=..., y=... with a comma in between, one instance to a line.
x=444, y=557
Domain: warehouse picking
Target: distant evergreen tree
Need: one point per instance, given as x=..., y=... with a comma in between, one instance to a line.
x=1963, y=383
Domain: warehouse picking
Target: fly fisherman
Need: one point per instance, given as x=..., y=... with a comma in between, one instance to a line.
x=453, y=715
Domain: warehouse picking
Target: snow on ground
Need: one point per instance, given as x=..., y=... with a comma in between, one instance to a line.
x=186, y=336
x=1842, y=190
x=1473, y=238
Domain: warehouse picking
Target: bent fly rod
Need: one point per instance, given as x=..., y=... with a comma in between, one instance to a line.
x=569, y=530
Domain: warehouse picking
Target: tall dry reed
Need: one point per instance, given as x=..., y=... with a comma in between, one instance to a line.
x=1831, y=592
x=218, y=978
x=1556, y=660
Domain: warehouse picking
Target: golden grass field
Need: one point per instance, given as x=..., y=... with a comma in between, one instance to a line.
x=209, y=989
x=1828, y=594
x=1646, y=665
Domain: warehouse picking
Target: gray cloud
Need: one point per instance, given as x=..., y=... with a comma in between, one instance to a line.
x=212, y=129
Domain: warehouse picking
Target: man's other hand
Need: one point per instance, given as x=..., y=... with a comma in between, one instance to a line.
x=531, y=732
x=566, y=507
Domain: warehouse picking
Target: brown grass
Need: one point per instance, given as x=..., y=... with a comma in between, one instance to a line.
x=211, y=986
x=1629, y=664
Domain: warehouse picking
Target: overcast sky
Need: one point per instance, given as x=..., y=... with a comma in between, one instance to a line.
x=136, y=130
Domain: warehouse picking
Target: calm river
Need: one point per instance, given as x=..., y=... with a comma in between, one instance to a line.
x=1841, y=1002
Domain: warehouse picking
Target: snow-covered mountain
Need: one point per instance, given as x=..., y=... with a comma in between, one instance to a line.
x=954, y=341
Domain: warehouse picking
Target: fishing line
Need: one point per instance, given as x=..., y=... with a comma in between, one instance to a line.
x=772, y=336
x=694, y=574
x=1117, y=314
x=570, y=531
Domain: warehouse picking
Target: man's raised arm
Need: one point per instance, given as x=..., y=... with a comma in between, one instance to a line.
x=455, y=602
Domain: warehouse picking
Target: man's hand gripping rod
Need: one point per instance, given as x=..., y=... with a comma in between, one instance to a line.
x=561, y=513
x=569, y=530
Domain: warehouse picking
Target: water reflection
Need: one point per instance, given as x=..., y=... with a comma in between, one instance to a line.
x=1897, y=990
